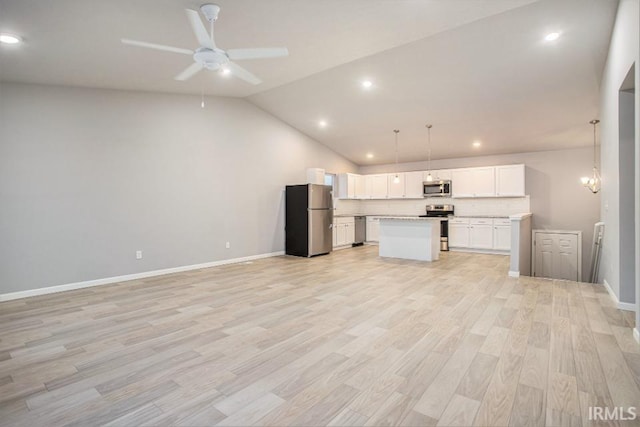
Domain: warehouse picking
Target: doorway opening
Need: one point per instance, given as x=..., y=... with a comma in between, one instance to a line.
x=627, y=185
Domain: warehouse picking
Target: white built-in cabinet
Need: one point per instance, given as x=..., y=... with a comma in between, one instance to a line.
x=395, y=189
x=473, y=182
x=373, y=229
x=343, y=231
x=480, y=233
x=413, y=185
x=510, y=181
x=347, y=186
x=459, y=232
x=379, y=185
x=437, y=175
x=361, y=190
x=490, y=181
x=501, y=234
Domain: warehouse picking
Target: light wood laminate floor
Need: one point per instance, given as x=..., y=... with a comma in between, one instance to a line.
x=344, y=339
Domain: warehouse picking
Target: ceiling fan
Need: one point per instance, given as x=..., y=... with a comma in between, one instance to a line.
x=208, y=55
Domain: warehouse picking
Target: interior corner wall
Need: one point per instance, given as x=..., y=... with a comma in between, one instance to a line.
x=558, y=200
x=90, y=176
x=623, y=54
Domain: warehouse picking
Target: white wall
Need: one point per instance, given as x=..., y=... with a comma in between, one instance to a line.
x=88, y=176
x=557, y=199
x=623, y=53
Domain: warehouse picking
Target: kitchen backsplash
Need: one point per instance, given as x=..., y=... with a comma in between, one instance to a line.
x=463, y=207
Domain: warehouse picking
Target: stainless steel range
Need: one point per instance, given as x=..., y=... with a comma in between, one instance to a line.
x=442, y=211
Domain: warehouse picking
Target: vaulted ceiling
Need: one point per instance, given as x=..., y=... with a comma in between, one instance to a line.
x=475, y=69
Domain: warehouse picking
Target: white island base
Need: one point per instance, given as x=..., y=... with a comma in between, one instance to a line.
x=410, y=238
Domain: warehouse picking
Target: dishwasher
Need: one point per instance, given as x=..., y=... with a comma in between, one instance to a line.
x=360, y=230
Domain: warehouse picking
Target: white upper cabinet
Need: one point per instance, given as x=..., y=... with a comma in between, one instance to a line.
x=510, y=181
x=413, y=185
x=438, y=175
x=462, y=184
x=473, y=182
x=379, y=186
x=360, y=191
x=347, y=186
x=492, y=181
x=485, y=182
x=396, y=189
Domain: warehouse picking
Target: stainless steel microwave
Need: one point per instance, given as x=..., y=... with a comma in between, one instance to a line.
x=437, y=188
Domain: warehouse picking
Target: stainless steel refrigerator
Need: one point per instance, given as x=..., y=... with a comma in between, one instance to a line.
x=308, y=220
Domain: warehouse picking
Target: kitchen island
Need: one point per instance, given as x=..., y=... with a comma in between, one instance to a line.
x=416, y=238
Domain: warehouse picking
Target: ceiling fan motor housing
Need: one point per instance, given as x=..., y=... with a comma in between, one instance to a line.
x=210, y=59
x=210, y=11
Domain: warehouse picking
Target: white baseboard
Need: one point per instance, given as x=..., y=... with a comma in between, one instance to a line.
x=621, y=305
x=480, y=251
x=127, y=277
x=514, y=273
x=636, y=335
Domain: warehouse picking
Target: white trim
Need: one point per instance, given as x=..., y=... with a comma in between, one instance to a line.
x=636, y=335
x=514, y=273
x=620, y=305
x=127, y=277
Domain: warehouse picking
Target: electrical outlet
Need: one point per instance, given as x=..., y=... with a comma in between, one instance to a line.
x=228, y=245
x=138, y=254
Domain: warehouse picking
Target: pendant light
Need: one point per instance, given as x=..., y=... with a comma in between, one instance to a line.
x=396, y=179
x=593, y=182
x=429, y=177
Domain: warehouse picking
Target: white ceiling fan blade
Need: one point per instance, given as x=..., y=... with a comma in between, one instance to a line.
x=157, y=46
x=243, y=74
x=257, y=53
x=189, y=71
x=199, y=30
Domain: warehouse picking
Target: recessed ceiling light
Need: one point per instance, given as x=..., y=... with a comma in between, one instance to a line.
x=369, y=155
x=9, y=38
x=367, y=84
x=477, y=144
x=322, y=123
x=552, y=36
x=225, y=71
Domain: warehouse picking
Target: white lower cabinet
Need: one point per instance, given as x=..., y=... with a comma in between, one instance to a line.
x=459, y=233
x=343, y=231
x=480, y=233
x=373, y=229
x=502, y=234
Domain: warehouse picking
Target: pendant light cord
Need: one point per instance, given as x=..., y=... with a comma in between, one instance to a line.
x=429, y=147
x=594, y=123
x=396, y=132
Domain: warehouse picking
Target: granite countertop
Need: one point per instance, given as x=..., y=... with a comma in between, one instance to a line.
x=413, y=218
x=482, y=216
